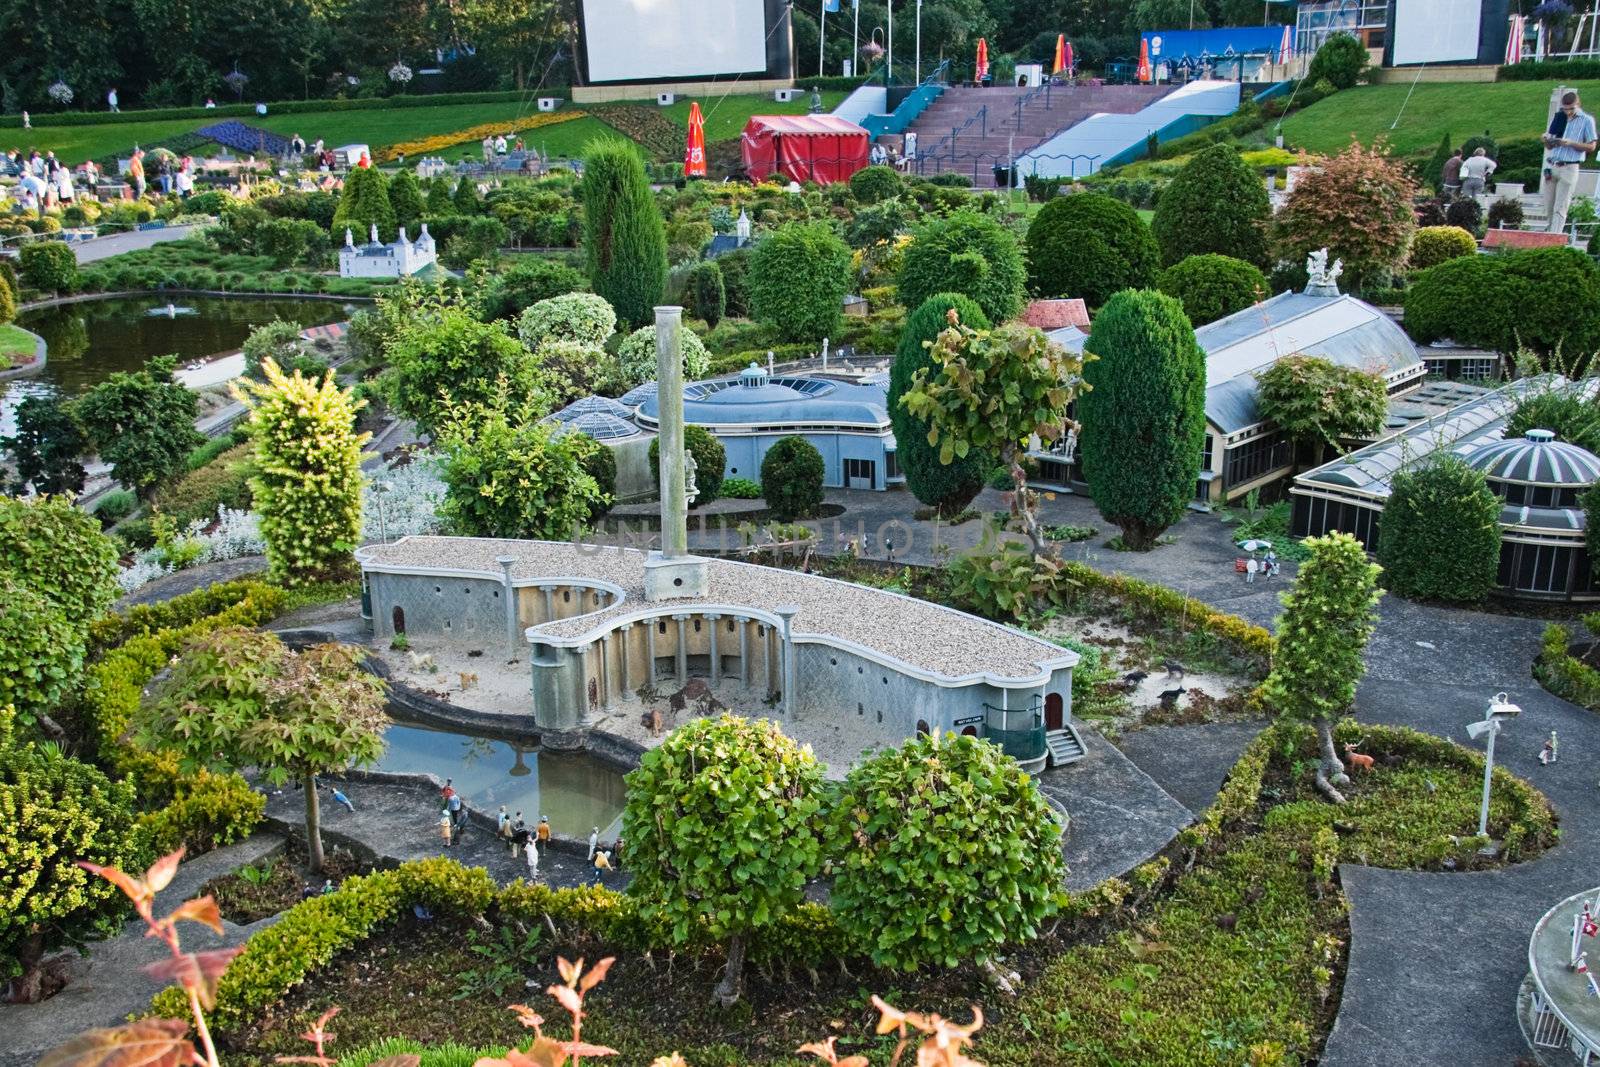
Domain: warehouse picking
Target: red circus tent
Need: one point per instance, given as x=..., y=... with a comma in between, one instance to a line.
x=804, y=148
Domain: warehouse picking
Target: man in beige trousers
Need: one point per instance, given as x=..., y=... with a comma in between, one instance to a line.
x=1571, y=136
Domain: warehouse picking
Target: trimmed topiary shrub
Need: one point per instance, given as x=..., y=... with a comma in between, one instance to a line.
x=585, y=318
x=525, y=283
x=41, y=650
x=949, y=487
x=1341, y=60
x=59, y=552
x=708, y=299
x=636, y=356
x=934, y=812
x=1505, y=214
x=798, y=279
x=1470, y=299
x=1466, y=213
x=791, y=478
x=624, y=241
x=365, y=201
x=872, y=184
x=1561, y=306
x=964, y=253
x=710, y=461
x=1212, y=286
x=49, y=265
x=1144, y=414
x=1440, y=535
x=1432, y=245
x=1089, y=246
x=1216, y=203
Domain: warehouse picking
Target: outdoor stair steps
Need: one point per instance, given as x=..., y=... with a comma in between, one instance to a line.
x=979, y=147
x=1065, y=746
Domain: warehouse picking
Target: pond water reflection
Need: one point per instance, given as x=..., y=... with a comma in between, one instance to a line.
x=574, y=789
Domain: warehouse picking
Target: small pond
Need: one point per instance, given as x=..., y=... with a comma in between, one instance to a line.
x=91, y=340
x=574, y=789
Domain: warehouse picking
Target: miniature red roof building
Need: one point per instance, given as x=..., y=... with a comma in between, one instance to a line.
x=1515, y=239
x=1054, y=314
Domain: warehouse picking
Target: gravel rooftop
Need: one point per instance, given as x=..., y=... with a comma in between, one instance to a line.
x=923, y=636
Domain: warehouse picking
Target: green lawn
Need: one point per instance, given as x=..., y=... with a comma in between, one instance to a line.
x=1505, y=109
x=16, y=346
x=381, y=128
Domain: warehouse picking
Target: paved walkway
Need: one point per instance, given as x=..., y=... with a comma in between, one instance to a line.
x=104, y=247
x=110, y=984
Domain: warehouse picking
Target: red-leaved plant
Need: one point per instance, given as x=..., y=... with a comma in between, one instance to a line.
x=166, y=1042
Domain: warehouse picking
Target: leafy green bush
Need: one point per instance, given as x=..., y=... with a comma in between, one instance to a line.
x=1212, y=286
x=710, y=458
x=525, y=283
x=582, y=317
x=41, y=649
x=1341, y=60
x=791, y=474
x=197, y=494
x=950, y=487
x=636, y=356
x=1432, y=245
x=49, y=265
x=1440, y=538
x=872, y=184
x=479, y=238
x=1319, y=402
x=1008, y=583
x=624, y=241
x=59, y=553
x=1215, y=204
x=1505, y=213
x=1469, y=299
x=1563, y=673
x=8, y=301
x=1565, y=412
x=507, y=478
x=964, y=253
x=142, y=423
x=115, y=506
x=1547, y=299
x=798, y=278
x=934, y=812
x=740, y=489
x=209, y=811
x=1562, y=307
x=277, y=340
x=451, y=357
x=1089, y=246
x=405, y=196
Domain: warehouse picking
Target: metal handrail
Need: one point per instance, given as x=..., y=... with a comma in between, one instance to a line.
x=980, y=116
x=1032, y=94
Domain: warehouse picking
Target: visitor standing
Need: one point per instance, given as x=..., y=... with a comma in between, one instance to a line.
x=1450, y=178
x=1251, y=566
x=532, y=855
x=163, y=173
x=1475, y=173
x=594, y=841
x=445, y=825
x=297, y=145
x=502, y=823
x=519, y=834
x=111, y=99
x=1569, y=138
x=447, y=790
x=136, y=173
x=91, y=174
x=211, y=104
x=488, y=148
x=602, y=864
x=500, y=145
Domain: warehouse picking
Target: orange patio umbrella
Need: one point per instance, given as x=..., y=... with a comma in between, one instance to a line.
x=694, y=159
x=1144, y=59
x=983, y=60
x=1061, y=54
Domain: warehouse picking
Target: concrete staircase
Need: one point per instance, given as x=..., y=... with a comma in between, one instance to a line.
x=1016, y=120
x=1065, y=746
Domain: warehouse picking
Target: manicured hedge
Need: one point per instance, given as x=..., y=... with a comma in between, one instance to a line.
x=1563, y=70
x=1564, y=674
x=282, y=107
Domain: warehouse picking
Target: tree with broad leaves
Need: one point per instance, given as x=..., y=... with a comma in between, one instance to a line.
x=1319, y=403
x=142, y=423
x=941, y=811
x=1357, y=205
x=721, y=836
x=238, y=698
x=55, y=811
x=992, y=390
x=1328, y=617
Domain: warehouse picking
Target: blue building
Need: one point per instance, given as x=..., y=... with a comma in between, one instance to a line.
x=847, y=421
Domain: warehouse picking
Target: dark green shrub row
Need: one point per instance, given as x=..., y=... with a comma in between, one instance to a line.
x=143, y=619
x=1544, y=298
x=282, y=107
x=312, y=933
x=1554, y=70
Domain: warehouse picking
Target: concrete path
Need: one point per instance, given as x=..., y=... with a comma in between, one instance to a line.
x=110, y=984
x=1189, y=762
x=104, y=247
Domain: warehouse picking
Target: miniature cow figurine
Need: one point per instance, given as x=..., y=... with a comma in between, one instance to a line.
x=1358, y=760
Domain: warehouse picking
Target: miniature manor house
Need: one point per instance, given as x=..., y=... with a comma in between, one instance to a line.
x=601, y=623
x=375, y=259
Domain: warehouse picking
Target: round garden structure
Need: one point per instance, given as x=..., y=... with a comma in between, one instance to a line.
x=1562, y=1014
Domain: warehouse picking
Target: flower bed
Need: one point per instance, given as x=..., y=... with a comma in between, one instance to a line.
x=439, y=142
x=658, y=134
x=243, y=137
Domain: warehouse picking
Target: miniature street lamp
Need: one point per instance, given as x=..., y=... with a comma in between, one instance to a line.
x=1500, y=708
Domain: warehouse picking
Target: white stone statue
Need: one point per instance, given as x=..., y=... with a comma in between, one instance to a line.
x=374, y=233
x=691, y=491
x=1319, y=273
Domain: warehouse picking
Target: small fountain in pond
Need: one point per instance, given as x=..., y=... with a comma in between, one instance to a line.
x=171, y=311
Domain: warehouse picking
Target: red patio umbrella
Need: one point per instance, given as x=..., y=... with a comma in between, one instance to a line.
x=1069, y=59
x=694, y=159
x=1061, y=54
x=982, y=69
x=1144, y=59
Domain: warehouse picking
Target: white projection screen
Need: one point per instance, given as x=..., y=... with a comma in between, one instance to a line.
x=1435, y=31
x=647, y=40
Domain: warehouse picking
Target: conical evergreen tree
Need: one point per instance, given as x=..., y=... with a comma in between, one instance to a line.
x=405, y=196
x=950, y=487
x=439, y=202
x=466, y=199
x=623, y=238
x=365, y=201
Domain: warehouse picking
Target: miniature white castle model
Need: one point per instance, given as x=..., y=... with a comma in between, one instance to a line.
x=378, y=260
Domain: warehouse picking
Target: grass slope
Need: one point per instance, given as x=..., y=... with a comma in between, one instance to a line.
x=1505, y=109
x=16, y=346
x=381, y=128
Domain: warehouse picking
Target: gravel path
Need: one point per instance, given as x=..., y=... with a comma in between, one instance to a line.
x=115, y=245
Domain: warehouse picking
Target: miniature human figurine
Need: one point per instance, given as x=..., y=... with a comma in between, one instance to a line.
x=1547, y=754
x=594, y=840
x=691, y=491
x=533, y=859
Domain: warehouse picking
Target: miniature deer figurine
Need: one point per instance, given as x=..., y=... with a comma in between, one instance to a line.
x=1359, y=760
